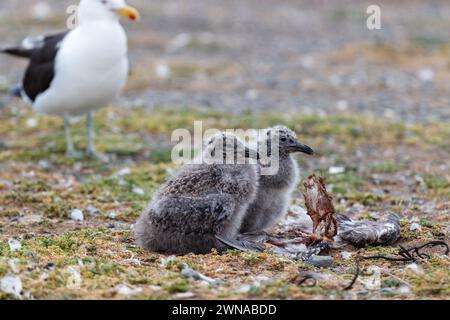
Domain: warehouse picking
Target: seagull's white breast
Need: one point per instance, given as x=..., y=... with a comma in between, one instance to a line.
x=91, y=68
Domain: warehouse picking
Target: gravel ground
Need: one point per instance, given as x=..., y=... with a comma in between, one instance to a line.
x=249, y=56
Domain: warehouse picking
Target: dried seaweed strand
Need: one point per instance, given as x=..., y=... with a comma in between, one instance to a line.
x=355, y=276
x=407, y=255
x=412, y=254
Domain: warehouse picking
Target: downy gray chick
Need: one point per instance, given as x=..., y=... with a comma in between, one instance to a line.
x=274, y=191
x=202, y=205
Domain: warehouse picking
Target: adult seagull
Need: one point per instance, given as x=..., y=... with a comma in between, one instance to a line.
x=76, y=72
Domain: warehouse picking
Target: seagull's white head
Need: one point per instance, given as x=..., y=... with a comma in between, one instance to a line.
x=93, y=10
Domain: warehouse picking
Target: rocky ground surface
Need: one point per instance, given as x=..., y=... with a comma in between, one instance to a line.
x=374, y=104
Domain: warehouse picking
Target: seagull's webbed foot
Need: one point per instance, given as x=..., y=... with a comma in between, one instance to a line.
x=94, y=154
x=72, y=153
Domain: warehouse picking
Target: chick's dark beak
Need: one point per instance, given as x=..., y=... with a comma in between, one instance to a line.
x=300, y=147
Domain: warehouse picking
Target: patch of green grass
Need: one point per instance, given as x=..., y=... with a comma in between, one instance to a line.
x=387, y=167
x=365, y=198
x=112, y=188
x=428, y=42
x=436, y=182
x=178, y=286
x=161, y=155
x=433, y=228
x=121, y=132
x=345, y=183
x=254, y=259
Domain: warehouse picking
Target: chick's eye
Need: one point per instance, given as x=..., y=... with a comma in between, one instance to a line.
x=283, y=139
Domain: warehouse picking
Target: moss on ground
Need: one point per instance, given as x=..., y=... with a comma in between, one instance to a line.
x=39, y=188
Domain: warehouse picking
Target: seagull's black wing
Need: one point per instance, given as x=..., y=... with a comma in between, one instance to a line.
x=42, y=53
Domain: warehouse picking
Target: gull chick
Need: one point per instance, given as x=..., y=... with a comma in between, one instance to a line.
x=202, y=206
x=274, y=191
x=76, y=72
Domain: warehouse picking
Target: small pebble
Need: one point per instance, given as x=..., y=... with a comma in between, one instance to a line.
x=41, y=11
x=154, y=288
x=415, y=226
x=50, y=266
x=336, y=170
x=14, y=245
x=32, y=123
x=190, y=273
x=346, y=255
x=320, y=261
x=165, y=261
x=112, y=215
x=45, y=164
x=12, y=263
x=181, y=41
x=138, y=191
x=415, y=268
x=184, y=295
x=252, y=94
x=77, y=215
x=244, y=288
x=163, y=70
x=425, y=75
x=93, y=210
x=125, y=290
x=11, y=285
x=123, y=172
x=74, y=280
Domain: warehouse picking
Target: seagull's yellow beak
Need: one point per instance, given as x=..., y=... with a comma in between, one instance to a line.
x=129, y=12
